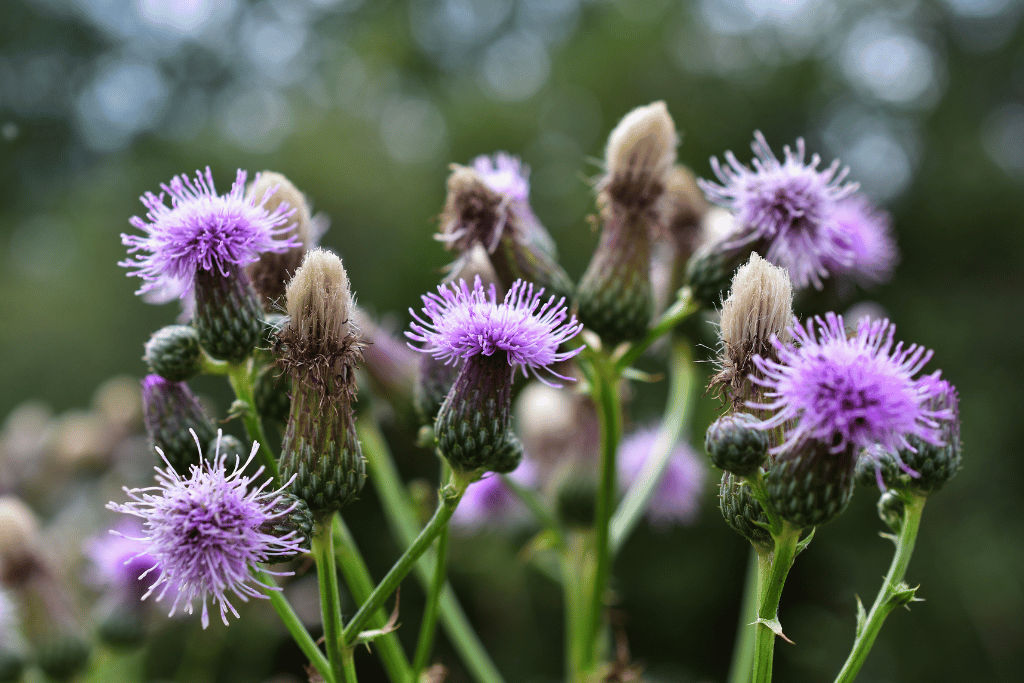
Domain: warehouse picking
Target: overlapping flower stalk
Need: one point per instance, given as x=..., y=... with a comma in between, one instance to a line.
x=811, y=407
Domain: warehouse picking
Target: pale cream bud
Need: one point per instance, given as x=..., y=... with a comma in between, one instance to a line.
x=643, y=145
x=319, y=304
x=472, y=212
x=273, y=270
x=19, y=541
x=759, y=306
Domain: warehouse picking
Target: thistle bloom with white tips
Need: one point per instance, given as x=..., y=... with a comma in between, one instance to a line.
x=459, y=322
x=506, y=175
x=850, y=392
x=787, y=208
x=201, y=231
x=206, y=533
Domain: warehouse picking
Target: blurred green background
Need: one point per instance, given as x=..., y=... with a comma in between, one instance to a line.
x=365, y=104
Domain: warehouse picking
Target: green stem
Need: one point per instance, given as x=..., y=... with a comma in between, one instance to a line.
x=743, y=650
x=577, y=568
x=893, y=592
x=294, y=625
x=431, y=609
x=537, y=507
x=330, y=599
x=401, y=517
x=610, y=413
x=357, y=576
x=348, y=661
x=772, y=579
x=450, y=497
x=241, y=380
x=677, y=414
x=682, y=308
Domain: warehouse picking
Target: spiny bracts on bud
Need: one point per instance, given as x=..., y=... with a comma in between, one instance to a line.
x=734, y=444
x=491, y=341
x=473, y=424
x=710, y=270
x=811, y=484
x=228, y=317
x=271, y=273
x=319, y=347
x=743, y=512
x=291, y=518
x=488, y=205
x=170, y=410
x=614, y=294
x=758, y=309
x=173, y=353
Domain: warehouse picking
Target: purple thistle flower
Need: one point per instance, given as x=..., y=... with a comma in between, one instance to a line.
x=488, y=502
x=120, y=559
x=459, y=322
x=201, y=230
x=788, y=208
x=205, y=533
x=866, y=232
x=677, y=497
x=506, y=175
x=858, y=391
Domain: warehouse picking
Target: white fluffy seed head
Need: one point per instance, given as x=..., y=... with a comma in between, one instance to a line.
x=760, y=304
x=319, y=301
x=644, y=143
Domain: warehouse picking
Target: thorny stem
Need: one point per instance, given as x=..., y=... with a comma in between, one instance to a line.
x=241, y=378
x=404, y=524
x=450, y=496
x=893, y=592
x=677, y=413
x=772, y=579
x=360, y=584
x=294, y=625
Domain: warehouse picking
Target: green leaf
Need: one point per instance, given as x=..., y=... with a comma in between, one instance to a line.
x=805, y=542
x=903, y=595
x=776, y=627
x=862, y=616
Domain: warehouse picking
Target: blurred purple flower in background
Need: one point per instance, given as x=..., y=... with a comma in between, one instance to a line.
x=489, y=503
x=677, y=498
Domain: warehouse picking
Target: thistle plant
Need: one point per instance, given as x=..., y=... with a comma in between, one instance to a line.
x=527, y=386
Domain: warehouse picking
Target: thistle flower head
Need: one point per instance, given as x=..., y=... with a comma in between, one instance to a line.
x=788, y=208
x=850, y=392
x=201, y=231
x=460, y=322
x=506, y=175
x=204, y=532
x=867, y=235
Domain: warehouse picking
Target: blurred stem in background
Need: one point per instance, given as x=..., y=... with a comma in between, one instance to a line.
x=893, y=593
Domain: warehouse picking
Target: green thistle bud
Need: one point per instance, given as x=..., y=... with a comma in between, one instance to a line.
x=123, y=628
x=890, y=509
x=735, y=445
x=743, y=512
x=810, y=485
x=435, y=380
x=230, y=447
x=170, y=410
x=874, y=465
x=62, y=656
x=615, y=295
x=710, y=271
x=319, y=348
x=173, y=353
x=576, y=499
x=272, y=395
x=296, y=518
x=228, y=318
x=473, y=427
